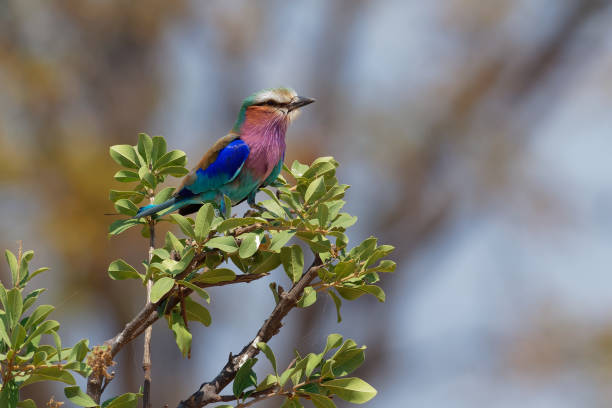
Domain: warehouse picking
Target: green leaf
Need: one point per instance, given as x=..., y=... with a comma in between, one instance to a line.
x=350, y=293
x=316, y=242
x=172, y=158
x=204, y=219
x=125, y=155
x=269, y=353
x=52, y=373
x=203, y=294
x=227, y=203
x=322, y=215
x=270, y=381
x=292, y=259
x=14, y=307
x=119, y=226
x=376, y=291
x=225, y=244
x=128, y=400
x=126, y=207
x=9, y=396
x=344, y=220
x=3, y=296
x=18, y=336
x=197, y=312
x=120, y=270
x=147, y=178
x=38, y=315
x=184, y=224
x=45, y=327
x=14, y=267
x=282, y=379
x=319, y=167
x=37, y=272
x=309, y=297
x=126, y=176
x=298, y=169
x=344, y=269
x=232, y=223
x=274, y=207
x=26, y=257
x=78, y=397
x=315, y=190
x=79, y=351
x=158, y=149
x=365, y=249
x=320, y=401
x=270, y=261
x=4, y=333
x=175, y=171
x=173, y=243
x=250, y=243
x=347, y=361
x=333, y=340
x=181, y=334
x=279, y=239
x=312, y=361
x=351, y=389
x=245, y=377
x=32, y=296
x=145, y=146
x=163, y=195
x=135, y=196
x=216, y=276
x=385, y=265
x=160, y=288
x=26, y=404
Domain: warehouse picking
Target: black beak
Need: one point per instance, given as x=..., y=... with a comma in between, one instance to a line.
x=299, y=101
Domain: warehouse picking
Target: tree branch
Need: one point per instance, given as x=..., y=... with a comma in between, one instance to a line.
x=149, y=315
x=209, y=392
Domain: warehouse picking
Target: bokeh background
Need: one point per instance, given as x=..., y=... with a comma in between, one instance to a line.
x=476, y=135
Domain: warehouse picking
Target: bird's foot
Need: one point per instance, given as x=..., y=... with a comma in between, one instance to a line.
x=252, y=213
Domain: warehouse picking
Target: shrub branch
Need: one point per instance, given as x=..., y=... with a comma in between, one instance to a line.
x=209, y=391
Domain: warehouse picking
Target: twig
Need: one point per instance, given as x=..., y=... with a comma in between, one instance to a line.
x=146, y=358
x=209, y=392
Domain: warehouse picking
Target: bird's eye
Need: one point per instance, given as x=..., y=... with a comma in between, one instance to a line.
x=268, y=102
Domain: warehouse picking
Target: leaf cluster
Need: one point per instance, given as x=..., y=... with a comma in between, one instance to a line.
x=316, y=377
x=24, y=357
x=147, y=164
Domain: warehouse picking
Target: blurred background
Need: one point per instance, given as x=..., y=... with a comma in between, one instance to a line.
x=476, y=135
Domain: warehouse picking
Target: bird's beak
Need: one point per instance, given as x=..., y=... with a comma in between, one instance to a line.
x=299, y=101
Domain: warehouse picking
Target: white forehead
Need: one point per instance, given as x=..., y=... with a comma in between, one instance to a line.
x=280, y=95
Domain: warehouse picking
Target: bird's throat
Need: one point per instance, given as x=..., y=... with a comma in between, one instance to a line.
x=264, y=133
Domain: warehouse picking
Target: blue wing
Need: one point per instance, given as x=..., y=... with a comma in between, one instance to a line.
x=222, y=170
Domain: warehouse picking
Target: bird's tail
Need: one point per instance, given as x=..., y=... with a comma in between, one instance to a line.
x=174, y=203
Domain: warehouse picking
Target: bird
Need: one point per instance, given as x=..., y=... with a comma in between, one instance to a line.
x=237, y=165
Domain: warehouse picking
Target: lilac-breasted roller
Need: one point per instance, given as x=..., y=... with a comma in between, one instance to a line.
x=245, y=160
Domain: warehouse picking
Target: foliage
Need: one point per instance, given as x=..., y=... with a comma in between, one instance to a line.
x=313, y=377
x=24, y=357
x=304, y=215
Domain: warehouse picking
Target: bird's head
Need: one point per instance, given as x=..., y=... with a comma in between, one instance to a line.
x=271, y=105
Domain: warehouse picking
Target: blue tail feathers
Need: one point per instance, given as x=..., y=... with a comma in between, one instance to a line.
x=154, y=209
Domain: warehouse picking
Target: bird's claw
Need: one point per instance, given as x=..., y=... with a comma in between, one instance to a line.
x=252, y=213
